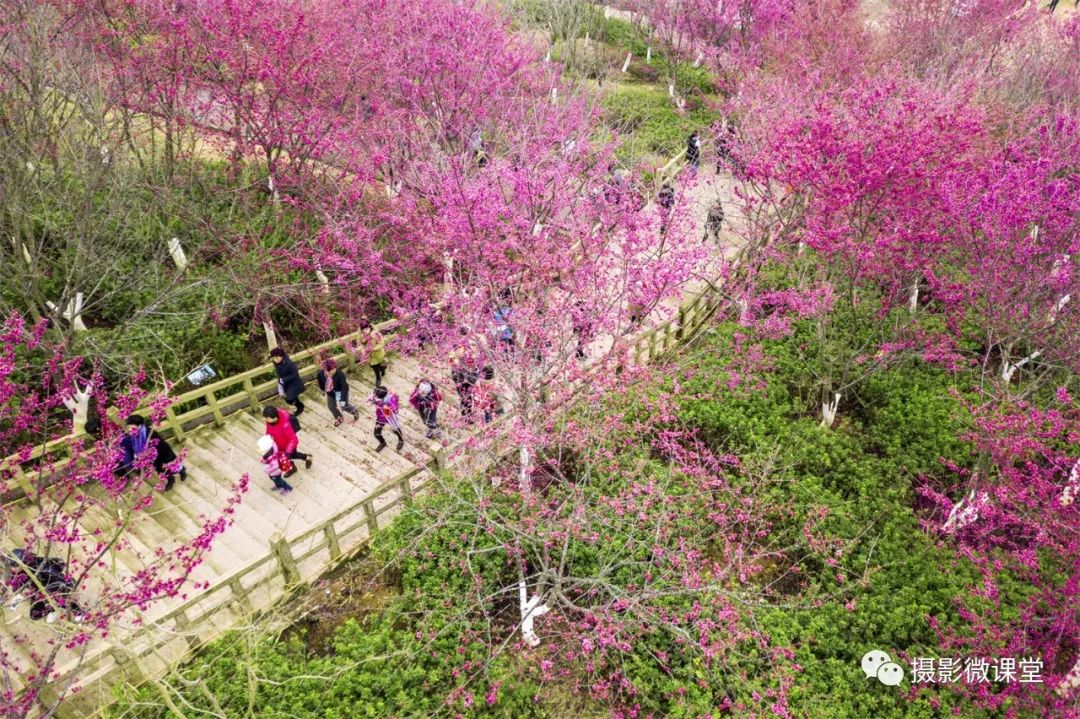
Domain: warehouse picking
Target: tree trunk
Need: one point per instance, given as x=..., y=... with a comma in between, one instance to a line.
x=828, y=410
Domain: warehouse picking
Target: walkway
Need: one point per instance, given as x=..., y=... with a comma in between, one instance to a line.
x=274, y=541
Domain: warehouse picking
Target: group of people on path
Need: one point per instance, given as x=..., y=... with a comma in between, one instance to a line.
x=278, y=448
x=714, y=220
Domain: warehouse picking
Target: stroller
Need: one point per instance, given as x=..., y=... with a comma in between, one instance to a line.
x=45, y=580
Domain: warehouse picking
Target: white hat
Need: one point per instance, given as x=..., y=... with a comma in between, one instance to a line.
x=266, y=443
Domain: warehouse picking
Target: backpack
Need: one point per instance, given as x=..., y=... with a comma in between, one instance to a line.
x=286, y=465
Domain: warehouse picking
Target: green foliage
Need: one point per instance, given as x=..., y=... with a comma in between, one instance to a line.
x=650, y=123
x=866, y=576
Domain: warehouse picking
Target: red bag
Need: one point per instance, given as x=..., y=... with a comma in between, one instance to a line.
x=288, y=469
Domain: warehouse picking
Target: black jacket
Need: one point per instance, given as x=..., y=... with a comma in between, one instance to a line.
x=341, y=385
x=290, y=378
x=165, y=454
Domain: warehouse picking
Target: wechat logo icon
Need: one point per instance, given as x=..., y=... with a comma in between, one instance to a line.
x=877, y=663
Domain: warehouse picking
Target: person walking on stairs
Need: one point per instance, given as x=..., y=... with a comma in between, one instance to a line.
x=282, y=428
x=332, y=380
x=140, y=436
x=276, y=464
x=371, y=348
x=290, y=384
x=464, y=375
x=666, y=200
x=714, y=221
x=386, y=413
x=425, y=398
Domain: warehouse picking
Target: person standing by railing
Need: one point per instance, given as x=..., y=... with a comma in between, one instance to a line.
x=693, y=152
x=371, y=348
x=290, y=384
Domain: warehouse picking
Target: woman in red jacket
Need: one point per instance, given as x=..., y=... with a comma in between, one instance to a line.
x=279, y=427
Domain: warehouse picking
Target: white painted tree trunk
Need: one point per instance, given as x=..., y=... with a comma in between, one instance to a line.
x=547, y=57
x=744, y=309
x=699, y=58
x=176, y=250
x=448, y=270
x=324, y=281
x=626, y=65
x=671, y=89
x=913, y=298
x=524, y=480
x=828, y=410
x=271, y=336
x=1072, y=487
x=1057, y=308
x=273, y=189
x=648, y=55
x=72, y=313
x=586, y=44
x=554, y=95
x=1070, y=682
x=1008, y=369
x=530, y=610
x=801, y=250
x=964, y=512
x=79, y=406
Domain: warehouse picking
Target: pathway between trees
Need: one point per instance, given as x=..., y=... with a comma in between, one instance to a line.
x=274, y=540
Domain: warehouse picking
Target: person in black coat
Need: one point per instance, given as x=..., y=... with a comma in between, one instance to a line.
x=290, y=385
x=693, y=151
x=139, y=437
x=45, y=581
x=332, y=381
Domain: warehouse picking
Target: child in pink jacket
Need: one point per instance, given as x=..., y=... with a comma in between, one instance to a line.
x=272, y=462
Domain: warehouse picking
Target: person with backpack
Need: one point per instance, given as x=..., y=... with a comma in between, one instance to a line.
x=290, y=384
x=46, y=582
x=282, y=428
x=276, y=464
x=714, y=221
x=464, y=375
x=386, y=413
x=331, y=379
x=138, y=438
x=666, y=200
x=371, y=348
x=425, y=399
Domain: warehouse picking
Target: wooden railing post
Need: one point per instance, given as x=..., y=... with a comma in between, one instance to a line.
x=332, y=541
x=372, y=518
x=184, y=625
x=283, y=551
x=24, y=482
x=177, y=426
x=406, y=489
x=211, y=398
x=240, y=595
x=249, y=389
